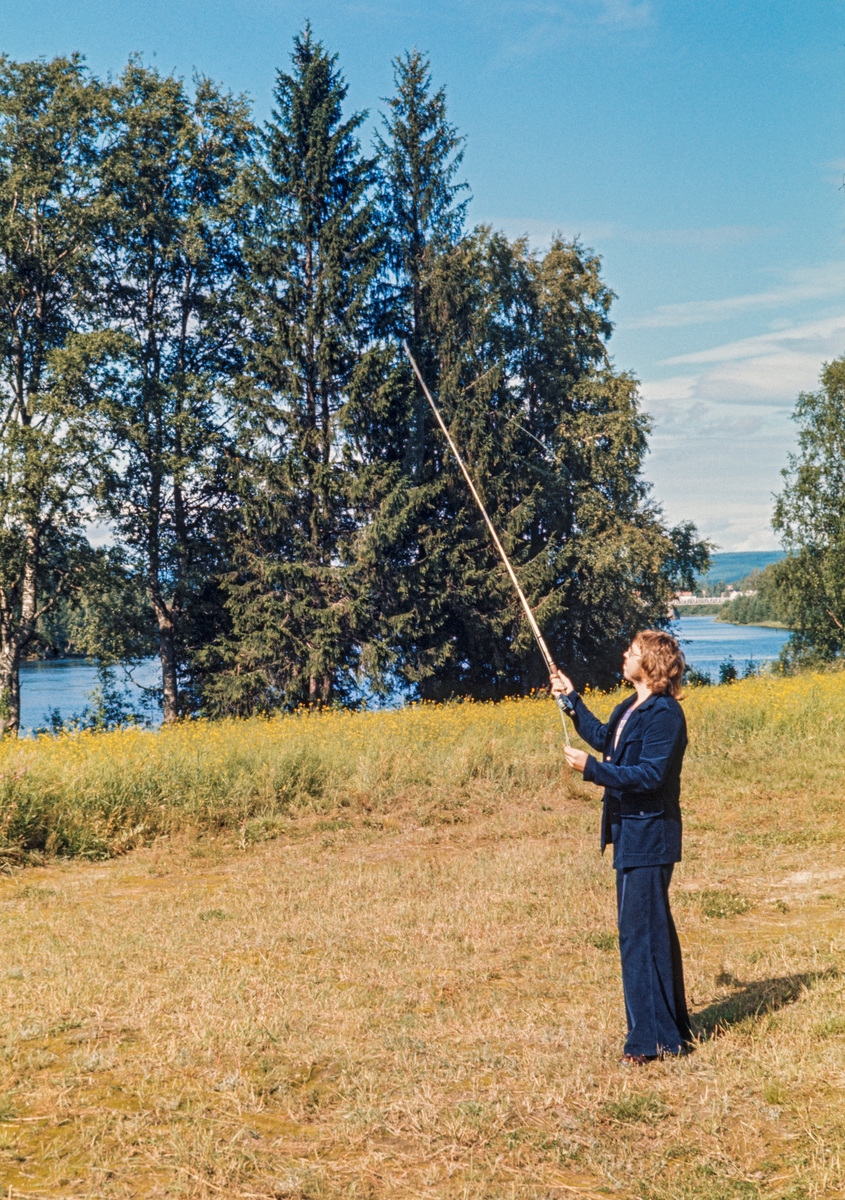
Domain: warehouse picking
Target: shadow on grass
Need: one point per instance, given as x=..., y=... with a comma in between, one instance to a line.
x=750, y=1000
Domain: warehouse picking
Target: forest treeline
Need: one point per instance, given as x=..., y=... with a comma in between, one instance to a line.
x=200, y=329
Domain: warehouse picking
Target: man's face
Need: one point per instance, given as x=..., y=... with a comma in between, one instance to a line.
x=631, y=669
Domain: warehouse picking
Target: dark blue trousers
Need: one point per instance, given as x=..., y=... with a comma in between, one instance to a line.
x=652, y=971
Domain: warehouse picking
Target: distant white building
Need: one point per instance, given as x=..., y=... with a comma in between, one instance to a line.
x=690, y=598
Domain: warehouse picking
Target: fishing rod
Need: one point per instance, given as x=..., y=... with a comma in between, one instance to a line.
x=535, y=628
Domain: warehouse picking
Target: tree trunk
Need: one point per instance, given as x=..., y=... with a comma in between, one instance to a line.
x=319, y=690
x=10, y=687
x=167, y=656
x=15, y=634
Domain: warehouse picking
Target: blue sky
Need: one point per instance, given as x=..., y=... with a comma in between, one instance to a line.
x=698, y=147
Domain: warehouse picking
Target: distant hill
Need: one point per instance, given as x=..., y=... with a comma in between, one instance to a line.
x=731, y=566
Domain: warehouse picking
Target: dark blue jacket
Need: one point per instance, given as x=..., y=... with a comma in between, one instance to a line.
x=641, y=776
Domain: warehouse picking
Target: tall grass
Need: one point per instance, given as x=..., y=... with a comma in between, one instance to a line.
x=97, y=794
x=94, y=794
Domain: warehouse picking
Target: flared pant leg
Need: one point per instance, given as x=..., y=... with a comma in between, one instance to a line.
x=652, y=970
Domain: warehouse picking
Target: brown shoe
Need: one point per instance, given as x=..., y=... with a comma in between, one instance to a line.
x=637, y=1060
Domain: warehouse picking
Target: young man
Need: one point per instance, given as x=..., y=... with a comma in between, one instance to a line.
x=641, y=751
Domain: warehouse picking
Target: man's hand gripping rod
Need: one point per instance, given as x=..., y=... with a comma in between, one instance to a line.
x=535, y=628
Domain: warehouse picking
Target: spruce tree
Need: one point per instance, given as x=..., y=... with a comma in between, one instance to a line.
x=420, y=155
x=422, y=209
x=514, y=343
x=167, y=266
x=313, y=255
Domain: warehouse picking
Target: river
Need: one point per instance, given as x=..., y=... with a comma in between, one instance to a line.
x=66, y=684
x=707, y=643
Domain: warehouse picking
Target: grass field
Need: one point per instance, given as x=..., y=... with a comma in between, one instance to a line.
x=374, y=956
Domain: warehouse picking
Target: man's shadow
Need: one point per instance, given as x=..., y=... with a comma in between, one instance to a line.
x=751, y=1000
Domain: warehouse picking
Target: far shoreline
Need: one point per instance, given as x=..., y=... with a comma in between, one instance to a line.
x=715, y=610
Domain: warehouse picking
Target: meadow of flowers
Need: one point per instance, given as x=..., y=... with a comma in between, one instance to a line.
x=96, y=794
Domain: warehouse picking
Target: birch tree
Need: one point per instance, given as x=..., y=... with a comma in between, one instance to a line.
x=50, y=211
x=168, y=265
x=808, y=586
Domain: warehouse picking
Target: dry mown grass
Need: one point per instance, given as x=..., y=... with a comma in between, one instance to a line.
x=412, y=988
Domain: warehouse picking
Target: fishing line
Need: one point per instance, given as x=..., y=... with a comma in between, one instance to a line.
x=542, y=445
x=535, y=628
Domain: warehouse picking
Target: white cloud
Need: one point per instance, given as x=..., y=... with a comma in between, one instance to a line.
x=721, y=470
x=813, y=283
x=722, y=434
x=770, y=369
x=677, y=387
x=817, y=338
x=774, y=378
x=99, y=534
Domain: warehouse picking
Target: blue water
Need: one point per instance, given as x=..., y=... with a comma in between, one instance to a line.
x=707, y=643
x=66, y=684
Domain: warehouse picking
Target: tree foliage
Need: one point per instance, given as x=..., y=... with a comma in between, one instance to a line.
x=758, y=608
x=200, y=342
x=809, y=584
